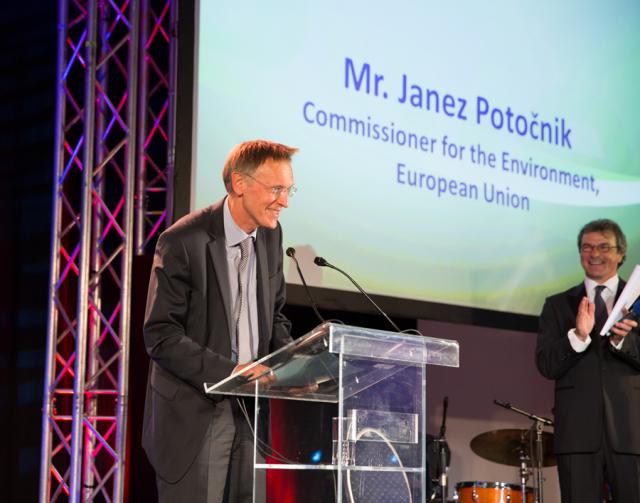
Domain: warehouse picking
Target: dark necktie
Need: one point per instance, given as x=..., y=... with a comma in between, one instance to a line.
x=601, y=313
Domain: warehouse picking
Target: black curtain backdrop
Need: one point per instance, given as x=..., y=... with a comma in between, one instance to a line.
x=27, y=83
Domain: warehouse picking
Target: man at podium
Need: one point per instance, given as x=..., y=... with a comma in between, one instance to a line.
x=214, y=305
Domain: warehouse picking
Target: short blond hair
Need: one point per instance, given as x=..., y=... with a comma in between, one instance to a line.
x=247, y=156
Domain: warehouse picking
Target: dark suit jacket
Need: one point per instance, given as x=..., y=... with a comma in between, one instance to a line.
x=596, y=389
x=187, y=335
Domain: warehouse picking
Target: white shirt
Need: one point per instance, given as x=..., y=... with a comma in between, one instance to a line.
x=233, y=236
x=609, y=297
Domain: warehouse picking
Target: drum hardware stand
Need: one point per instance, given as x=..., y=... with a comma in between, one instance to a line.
x=443, y=478
x=538, y=423
x=525, y=471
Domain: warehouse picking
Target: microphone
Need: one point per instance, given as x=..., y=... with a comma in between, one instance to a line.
x=508, y=406
x=291, y=252
x=319, y=261
x=444, y=482
x=443, y=427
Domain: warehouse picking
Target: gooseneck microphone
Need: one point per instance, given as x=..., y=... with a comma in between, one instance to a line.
x=291, y=252
x=319, y=261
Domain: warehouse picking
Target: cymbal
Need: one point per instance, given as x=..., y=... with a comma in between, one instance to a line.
x=505, y=446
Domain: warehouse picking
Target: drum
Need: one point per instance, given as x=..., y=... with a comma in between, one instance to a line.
x=492, y=492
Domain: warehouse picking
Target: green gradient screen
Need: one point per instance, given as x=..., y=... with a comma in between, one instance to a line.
x=449, y=152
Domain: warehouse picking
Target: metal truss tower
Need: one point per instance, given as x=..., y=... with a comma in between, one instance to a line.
x=112, y=173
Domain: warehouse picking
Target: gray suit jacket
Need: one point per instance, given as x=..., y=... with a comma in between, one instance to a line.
x=187, y=335
x=594, y=390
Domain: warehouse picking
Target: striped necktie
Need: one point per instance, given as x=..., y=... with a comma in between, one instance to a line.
x=244, y=341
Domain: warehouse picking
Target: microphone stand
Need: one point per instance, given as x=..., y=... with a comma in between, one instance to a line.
x=443, y=478
x=539, y=423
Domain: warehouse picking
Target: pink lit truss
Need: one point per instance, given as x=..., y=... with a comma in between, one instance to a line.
x=113, y=136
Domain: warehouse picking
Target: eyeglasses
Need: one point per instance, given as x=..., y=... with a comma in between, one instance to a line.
x=602, y=248
x=276, y=190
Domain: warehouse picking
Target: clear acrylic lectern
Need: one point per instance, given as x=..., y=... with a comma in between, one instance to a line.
x=376, y=447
